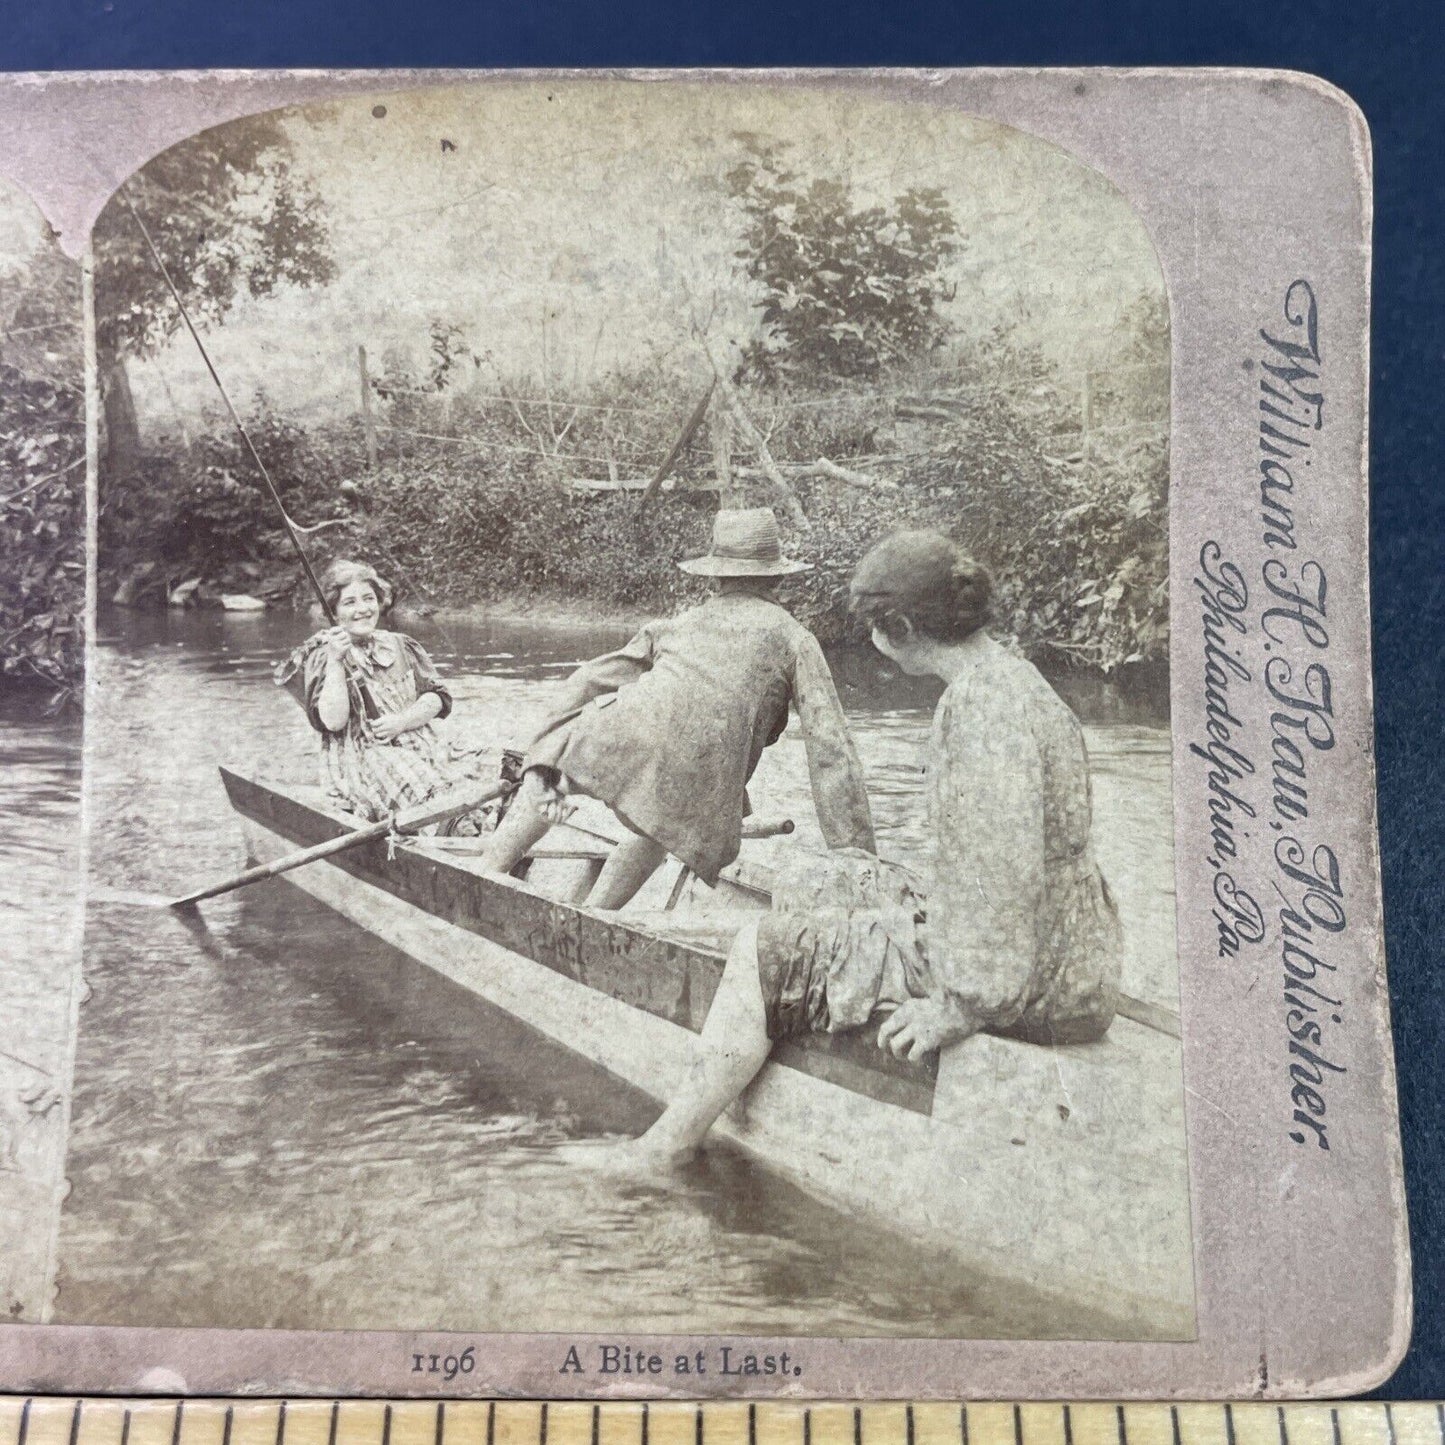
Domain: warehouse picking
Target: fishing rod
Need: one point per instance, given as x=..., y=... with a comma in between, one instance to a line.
x=368, y=702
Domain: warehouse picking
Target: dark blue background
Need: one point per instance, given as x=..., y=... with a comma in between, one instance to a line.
x=1386, y=55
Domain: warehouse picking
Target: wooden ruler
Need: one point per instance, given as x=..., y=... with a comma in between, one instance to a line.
x=57, y=1421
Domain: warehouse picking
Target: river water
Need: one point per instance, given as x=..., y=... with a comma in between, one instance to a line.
x=40, y=771
x=279, y=1121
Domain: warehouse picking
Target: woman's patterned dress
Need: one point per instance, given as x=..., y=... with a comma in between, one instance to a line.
x=1012, y=922
x=361, y=774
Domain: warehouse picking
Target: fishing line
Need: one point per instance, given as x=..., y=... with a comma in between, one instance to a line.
x=368, y=701
x=230, y=408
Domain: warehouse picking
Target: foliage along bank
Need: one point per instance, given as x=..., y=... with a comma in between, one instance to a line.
x=470, y=486
x=1079, y=543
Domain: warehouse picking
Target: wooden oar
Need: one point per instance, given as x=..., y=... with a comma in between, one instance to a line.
x=752, y=828
x=1151, y=1015
x=767, y=827
x=409, y=820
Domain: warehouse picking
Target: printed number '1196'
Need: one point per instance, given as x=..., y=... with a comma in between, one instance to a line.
x=447, y=1366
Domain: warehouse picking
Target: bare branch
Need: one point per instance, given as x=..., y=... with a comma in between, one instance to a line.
x=41, y=481
x=754, y=438
x=685, y=437
x=826, y=469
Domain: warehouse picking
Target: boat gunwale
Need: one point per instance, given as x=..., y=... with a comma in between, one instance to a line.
x=555, y=930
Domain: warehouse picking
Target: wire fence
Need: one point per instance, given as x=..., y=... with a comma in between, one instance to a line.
x=910, y=422
x=481, y=443
x=1073, y=429
x=1004, y=382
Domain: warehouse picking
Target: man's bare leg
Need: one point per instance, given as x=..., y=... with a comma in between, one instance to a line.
x=630, y=864
x=521, y=830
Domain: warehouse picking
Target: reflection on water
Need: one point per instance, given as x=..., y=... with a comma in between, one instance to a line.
x=40, y=835
x=280, y=1121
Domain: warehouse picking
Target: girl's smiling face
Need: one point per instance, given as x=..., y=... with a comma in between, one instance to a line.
x=358, y=609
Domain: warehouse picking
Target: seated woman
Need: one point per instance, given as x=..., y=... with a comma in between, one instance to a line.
x=1013, y=930
x=668, y=730
x=372, y=766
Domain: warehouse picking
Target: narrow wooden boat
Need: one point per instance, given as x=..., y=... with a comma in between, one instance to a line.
x=1060, y=1171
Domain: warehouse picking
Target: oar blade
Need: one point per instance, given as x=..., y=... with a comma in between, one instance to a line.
x=99, y=896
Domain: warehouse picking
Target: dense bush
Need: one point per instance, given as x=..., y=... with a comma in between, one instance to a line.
x=202, y=512
x=42, y=476
x=454, y=533
x=42, y=532
x=1080, y=550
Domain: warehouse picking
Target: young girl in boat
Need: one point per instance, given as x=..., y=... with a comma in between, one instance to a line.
x=1013, y=929
x=372, y=766
x=667, y=731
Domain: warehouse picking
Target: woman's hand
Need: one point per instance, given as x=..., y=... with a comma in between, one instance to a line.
x=390, y=725
x=333, y=703
x=338, y=643
x=921, y=1026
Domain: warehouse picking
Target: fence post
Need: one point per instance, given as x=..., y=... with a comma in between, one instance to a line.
x=720, y=427
x=367, y=420
x=678, y=447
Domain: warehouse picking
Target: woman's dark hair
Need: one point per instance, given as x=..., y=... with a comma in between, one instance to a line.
x=342, y=573
x=926, y=581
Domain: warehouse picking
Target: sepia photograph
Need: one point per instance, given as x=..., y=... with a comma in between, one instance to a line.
x=627, y=757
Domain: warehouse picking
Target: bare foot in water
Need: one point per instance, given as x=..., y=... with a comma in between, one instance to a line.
x=627, y=1158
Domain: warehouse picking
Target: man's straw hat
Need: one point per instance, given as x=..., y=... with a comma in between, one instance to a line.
x=745, y=543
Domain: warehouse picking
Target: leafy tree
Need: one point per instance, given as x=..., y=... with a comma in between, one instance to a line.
x=230, y=218
x=846, y=288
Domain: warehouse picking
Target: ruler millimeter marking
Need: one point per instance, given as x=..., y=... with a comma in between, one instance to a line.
x=93, y=1421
